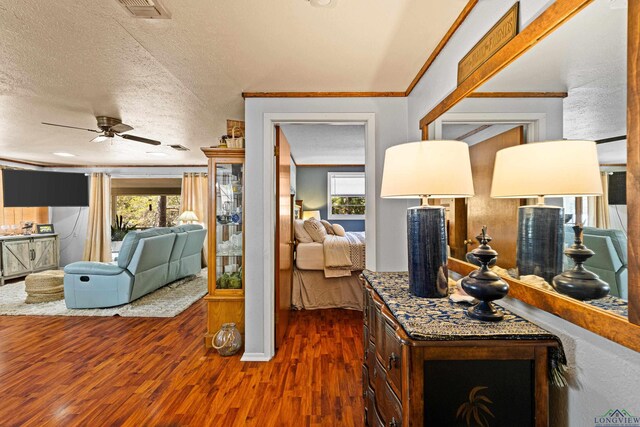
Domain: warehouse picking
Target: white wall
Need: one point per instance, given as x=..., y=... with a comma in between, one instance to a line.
x=603, y=375
x=71, y=226
x=391, y=252
x=441, y=78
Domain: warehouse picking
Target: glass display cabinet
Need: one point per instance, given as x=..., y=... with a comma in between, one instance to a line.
x=225, y=299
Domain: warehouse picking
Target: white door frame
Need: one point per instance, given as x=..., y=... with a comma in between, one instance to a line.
x=535, y=123
x=270, y=120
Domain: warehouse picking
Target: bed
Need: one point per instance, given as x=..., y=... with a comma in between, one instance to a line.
x=326, y=275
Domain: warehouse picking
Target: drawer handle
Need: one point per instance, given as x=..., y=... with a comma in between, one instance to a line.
x=364, y=393
x=366, y=417
x=393, y=422
x=393, y=361
x=375, y=372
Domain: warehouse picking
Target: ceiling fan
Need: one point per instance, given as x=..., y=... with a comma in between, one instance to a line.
x=110, y=128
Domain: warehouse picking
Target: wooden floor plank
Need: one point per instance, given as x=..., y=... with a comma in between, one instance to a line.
x=63, y=371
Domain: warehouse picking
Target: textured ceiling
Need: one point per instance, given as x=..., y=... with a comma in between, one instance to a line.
x=325, y=144
x=586, y=57
x=177, y=80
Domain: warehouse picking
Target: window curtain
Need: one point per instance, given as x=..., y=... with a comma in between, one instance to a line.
x=599, y=206
x=194, y=198
x=97, y=246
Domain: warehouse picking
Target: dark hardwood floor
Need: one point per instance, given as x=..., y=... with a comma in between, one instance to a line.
x=60, y=371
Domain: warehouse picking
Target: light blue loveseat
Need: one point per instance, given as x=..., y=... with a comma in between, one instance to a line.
x=147, y=261
x=610, y=259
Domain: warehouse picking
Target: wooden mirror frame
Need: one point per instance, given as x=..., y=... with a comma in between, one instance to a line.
x=613, y=327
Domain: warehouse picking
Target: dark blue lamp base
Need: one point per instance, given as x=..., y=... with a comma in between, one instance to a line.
x=540, y=241
x=427, y=238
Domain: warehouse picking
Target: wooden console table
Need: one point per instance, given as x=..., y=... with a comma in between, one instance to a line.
x=427, y=363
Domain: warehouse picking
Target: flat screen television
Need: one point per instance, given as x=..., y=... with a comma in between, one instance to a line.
x=27, y=188
x=618, y=188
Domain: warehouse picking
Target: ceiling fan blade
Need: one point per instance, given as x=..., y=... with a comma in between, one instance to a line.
x=70, y=127
x=141, y=139
x=120, y=128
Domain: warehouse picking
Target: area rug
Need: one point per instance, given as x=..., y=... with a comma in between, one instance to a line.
x=168, y=301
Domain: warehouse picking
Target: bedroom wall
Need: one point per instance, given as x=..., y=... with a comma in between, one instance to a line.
x=602, y=375
x=312, y=190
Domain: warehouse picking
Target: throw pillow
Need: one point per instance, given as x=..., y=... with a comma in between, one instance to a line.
x=315, y=229
x=301, y=234
x=327, y=226
x=338, y=230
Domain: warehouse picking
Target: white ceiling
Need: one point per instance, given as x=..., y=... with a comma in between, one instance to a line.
x=586, y=57
x=325, y=144
x=177, y=80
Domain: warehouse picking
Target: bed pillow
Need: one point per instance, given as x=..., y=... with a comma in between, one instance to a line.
x=327, y=226
x=338, y=230
x=301, y=234
x=315, y=229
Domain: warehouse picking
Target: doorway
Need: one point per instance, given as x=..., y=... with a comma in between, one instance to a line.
x=270, y=121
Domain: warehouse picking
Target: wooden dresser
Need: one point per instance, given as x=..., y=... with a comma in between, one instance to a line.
x=421, y=380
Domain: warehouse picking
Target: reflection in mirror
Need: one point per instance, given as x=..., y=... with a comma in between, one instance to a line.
x=573, y=86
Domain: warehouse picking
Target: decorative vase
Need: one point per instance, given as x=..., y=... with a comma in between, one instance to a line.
x=580, y=283
x=483, y=284
x=227, y=340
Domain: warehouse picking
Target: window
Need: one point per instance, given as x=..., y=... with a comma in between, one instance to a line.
x=146, y=202
x=148, y=210
x=346, y=195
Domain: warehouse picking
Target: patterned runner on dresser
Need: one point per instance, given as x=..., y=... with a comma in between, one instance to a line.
x=441, y=319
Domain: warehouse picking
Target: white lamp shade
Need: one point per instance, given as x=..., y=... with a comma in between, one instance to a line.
x=188, y=216
x=311, y=214
x=434, y=169
x=554, y=168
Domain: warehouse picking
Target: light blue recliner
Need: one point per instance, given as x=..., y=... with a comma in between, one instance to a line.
x=610, y=259
x=147, y=261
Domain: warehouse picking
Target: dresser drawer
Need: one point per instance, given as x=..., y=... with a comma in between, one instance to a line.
x=387, y=403
x=377, y=419
x=370, y=412
x=365, y=382
x=366, y=336
x=390, y=407
x=392, y=358
x=370, y=360
x=365, y=306
x=378, y=331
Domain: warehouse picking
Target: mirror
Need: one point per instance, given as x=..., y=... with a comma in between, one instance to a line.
x=570, y=85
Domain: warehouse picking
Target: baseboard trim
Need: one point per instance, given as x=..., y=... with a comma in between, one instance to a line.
x=255, y=357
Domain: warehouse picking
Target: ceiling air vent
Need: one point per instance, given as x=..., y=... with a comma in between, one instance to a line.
x=146, y=9
x=179, y=147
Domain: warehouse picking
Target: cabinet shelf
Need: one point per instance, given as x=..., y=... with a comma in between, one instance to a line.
x=226, y=198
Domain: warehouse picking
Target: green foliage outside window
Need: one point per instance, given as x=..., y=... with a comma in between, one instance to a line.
x=149, y=211
x=347, y=205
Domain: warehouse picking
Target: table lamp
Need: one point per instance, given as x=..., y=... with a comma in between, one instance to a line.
x=424, y=170
x=557, y=169
x=188, y=217
x=311, y=214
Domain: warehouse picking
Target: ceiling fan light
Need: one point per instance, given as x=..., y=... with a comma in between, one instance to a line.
x=101, y=138
x=323, y=3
